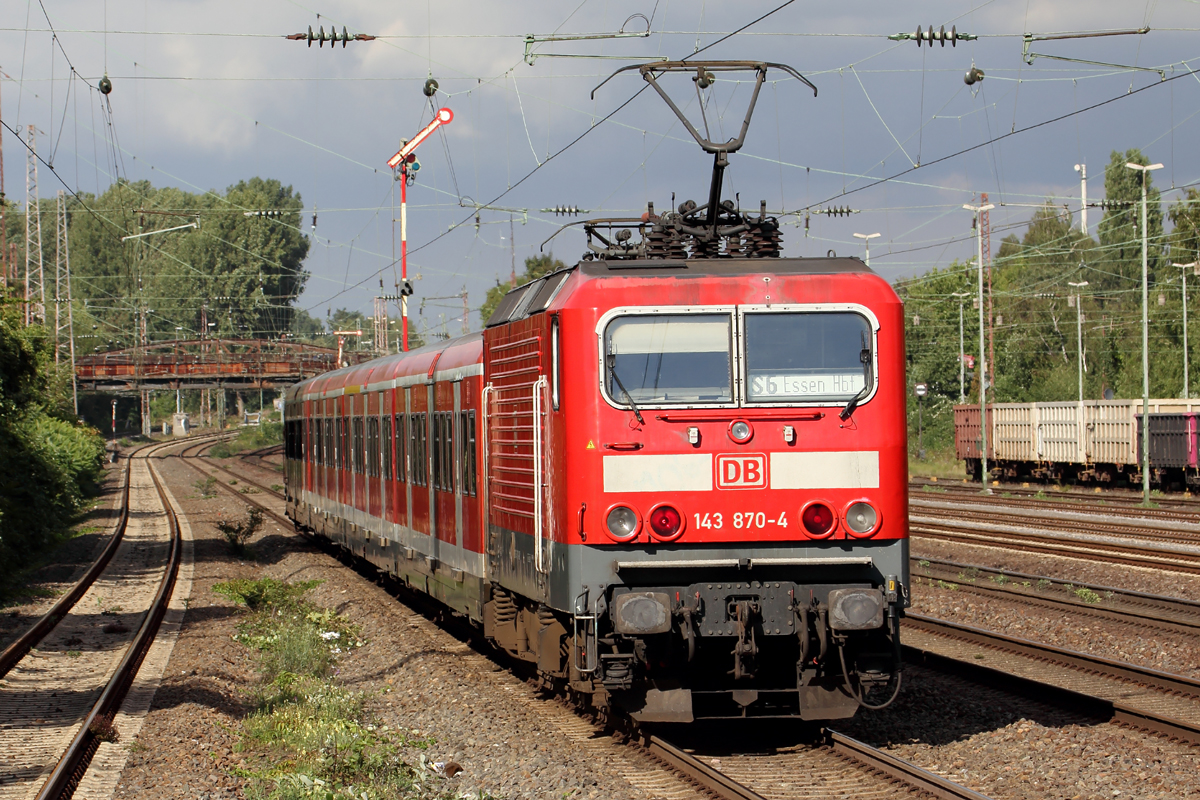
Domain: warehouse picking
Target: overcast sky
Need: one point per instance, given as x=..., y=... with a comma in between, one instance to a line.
x=208, y=92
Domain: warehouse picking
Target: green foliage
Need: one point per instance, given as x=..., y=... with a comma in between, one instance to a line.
x=249, y=438
x=265, y=594
x=253, y=264
x=309, y=736
x=535, y=267
x=238, y=532
x=1035, y=322
x=51, y=463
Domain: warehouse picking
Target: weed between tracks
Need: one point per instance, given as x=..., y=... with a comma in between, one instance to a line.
x=264, y=435
x=310, y=737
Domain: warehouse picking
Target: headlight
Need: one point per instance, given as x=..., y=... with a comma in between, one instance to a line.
x=817, y=519
x=740, y=431
x=622, y=523
x=666, y=523
x=861, y=518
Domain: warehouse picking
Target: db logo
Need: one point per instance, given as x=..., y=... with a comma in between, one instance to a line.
x=742, y=471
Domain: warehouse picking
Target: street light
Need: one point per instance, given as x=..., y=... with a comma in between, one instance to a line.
x=982, y=371
x=1143, y=170
x=962, y=354
x=1079, y=330
x=1195, y=266
x=867, y=237
x=920, y=390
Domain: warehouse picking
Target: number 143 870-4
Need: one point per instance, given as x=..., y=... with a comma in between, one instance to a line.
x=741, y=519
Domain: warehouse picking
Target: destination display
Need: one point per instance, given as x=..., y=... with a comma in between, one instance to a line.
x=794, y=385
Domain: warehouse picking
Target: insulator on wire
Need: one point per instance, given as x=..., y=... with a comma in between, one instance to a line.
x=838, y=211
x=430, y=88
x=263, y=213
x=974, y=75
x=929, y=36
x=565, y=211
x=332, y=37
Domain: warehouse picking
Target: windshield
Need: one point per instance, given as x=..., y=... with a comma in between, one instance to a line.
x=805, y=356
x=669, y=358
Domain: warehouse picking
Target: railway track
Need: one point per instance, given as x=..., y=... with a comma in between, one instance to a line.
x=1106, y=602
x=58, y=700
x=1118, y=500
x=1125, y=693
x=978, y=530
x=1182, y=529
x=806, y=770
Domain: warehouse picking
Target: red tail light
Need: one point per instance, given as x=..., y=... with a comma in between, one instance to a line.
x=817, y=519
x=666, y=523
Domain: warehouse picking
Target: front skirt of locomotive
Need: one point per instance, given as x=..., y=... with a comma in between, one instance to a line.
x=808, y=640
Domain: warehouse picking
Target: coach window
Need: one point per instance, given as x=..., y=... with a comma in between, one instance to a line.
x=807, y=357
x=417, y=434
x=466, y=446
x=662, y=359
x=554, y=361
x=387, y=448
x=401, y=442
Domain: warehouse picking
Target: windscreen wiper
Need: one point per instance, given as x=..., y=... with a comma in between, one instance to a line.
x=864, y=355
x=612, y=368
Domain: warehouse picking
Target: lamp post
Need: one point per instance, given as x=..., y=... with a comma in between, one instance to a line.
x=1079, y=330
x=962, y=355
x=920, y=390
x=1195, y=266
x=982, y=371
x=867, y=237
x=1143, y=170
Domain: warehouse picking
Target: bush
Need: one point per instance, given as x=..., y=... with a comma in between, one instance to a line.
x=237, y=533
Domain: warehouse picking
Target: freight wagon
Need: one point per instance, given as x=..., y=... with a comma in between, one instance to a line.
x=1093, y=441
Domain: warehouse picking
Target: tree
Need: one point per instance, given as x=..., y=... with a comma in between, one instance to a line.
x=241, y=273
x=535, y=267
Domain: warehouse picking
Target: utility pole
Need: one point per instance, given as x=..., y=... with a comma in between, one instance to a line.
x=1082, y=170
x=512, y=245
x=1144, y=174
x=3, y=227
x=867, y=237
x=64, y=324
x=985, y=231
x=1079, y=331
x=982, y=369
x=35, y=279
x=962, y=353
x=1195, y=265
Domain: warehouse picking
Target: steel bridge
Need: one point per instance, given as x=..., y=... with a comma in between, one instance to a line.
x=209, y=364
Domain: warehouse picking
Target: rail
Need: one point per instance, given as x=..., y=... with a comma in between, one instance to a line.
x=1091, y=704
x=74, y=762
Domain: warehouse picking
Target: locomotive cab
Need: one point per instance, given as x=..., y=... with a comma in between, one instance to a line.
x=723, y=519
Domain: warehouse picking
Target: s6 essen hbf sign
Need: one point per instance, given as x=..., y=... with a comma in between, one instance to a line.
x=742, y=471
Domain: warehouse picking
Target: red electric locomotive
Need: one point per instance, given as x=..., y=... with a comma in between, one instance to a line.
x=673, y=475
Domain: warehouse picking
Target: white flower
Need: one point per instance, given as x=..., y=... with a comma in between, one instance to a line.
x=327, y=635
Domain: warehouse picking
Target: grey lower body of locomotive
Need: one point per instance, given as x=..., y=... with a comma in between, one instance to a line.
x=776, y=621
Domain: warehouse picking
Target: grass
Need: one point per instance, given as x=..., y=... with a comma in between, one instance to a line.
x=265, y=435
x=206, y=487
x=238, y=532
x=937, y=464
x=309, y=736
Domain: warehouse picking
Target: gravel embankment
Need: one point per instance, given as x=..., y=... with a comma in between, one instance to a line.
x=1012, y=749
x=509, y=742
